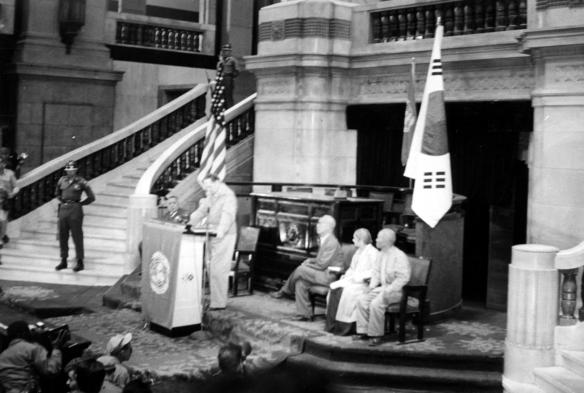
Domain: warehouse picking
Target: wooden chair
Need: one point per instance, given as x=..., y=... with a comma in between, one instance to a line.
x=244, y=258
x=318, y=293
x=413, y=302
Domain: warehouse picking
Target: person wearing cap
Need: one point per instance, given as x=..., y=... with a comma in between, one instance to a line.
x=119, y=349
x=69, y=191
x=230, y=71
x=8, y=190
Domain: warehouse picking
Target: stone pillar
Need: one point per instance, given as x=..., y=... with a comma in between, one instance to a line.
x=555, y=41
x=532, y=311
x=302, y=82
x=62, y=101
x=140, y=208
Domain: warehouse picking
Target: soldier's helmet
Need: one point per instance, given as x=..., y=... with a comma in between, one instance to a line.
x=71, y=165
x=226, y=47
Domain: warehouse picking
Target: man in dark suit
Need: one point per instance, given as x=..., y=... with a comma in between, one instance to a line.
x=313, y=271
x=173, y=212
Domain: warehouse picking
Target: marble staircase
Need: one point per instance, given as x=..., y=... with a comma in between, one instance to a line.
x=33, y=255
x=566, y=377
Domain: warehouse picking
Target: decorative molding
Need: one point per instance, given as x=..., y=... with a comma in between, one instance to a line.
x=544, y=4
x=479, y=81
x=569, y=73
x=305, y=27
x=276, y=87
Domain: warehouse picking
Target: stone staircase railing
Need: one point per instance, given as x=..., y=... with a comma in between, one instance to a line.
x=544, y=349
x=406, y=22
x=180, y=160
x=37, y=187
x=568, y=262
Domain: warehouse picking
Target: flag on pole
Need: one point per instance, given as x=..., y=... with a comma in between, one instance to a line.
x=213, y=157
x=429, y=160
x=410, y=116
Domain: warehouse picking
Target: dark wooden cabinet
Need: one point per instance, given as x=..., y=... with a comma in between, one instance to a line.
x=288, y=228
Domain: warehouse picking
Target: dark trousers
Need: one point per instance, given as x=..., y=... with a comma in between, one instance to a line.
x=228, y=93
x=71, y=219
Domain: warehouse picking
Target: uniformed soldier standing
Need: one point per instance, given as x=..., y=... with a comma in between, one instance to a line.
x=68, y=192
x=230, y=72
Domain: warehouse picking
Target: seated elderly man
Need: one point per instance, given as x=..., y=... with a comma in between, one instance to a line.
x=392, y=272
x=313, y=271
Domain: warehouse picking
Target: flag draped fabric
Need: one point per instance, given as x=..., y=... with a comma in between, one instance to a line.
x=213, y=157
x=410, y=116
x=429, y=159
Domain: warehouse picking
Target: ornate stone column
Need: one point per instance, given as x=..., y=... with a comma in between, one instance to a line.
x=303, y=87
x=532, y=310
x=61, y=101
x=555, y=42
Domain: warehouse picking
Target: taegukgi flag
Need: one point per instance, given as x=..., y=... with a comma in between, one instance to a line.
x=429, y=159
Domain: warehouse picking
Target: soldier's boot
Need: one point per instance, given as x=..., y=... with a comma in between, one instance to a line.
x=62, y=265
x=79, y=266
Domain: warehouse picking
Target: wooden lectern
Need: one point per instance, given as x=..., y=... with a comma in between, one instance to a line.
x=172, y=277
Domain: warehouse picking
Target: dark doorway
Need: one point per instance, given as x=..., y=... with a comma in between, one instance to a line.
x=486, y=143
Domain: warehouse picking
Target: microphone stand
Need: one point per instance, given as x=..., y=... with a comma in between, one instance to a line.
x=205, y=301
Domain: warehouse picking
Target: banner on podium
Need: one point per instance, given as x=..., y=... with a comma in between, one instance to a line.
x=161, y=252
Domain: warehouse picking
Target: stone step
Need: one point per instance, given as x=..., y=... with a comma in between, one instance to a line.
x=120, y=188
x=92, y=275
x=321, y=347
x=113, y=199
x=573, y=361
x=50, y=259
x=44, y=247
x=99, y=208
x=93, y=226
x=558, y=380
x=89, y=239
x=398, y=376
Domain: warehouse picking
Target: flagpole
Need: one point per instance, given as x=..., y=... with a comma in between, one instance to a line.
x=413, y=74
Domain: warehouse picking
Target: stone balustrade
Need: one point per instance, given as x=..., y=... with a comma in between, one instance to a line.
x=459, y=18
x=157, y=36
x=568, y=262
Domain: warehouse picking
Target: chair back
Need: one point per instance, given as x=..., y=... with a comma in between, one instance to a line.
x=248, y=239
x=345, y=256
x=420, y=270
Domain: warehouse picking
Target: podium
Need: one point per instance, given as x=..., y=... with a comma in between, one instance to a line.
x=172, y=278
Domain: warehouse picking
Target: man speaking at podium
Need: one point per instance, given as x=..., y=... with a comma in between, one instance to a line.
x=219, y=207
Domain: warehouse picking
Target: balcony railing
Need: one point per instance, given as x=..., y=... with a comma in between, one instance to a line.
x=155, y=36
x=459, y=18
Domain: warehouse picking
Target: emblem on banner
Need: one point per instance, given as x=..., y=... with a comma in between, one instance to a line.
x=159, y=273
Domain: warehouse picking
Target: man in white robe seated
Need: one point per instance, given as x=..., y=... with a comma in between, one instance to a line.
x=341, y=311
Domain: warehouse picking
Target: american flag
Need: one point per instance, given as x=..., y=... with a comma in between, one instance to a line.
x=213, y=159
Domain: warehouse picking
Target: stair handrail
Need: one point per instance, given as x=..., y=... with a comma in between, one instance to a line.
x=143, y=202
x=156, y=169
x=188, y=107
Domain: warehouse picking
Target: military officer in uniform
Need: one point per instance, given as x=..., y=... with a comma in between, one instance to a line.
x=68, y=192
x=230, y=72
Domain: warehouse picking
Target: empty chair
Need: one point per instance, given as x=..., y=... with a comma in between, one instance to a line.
x=244, y=258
